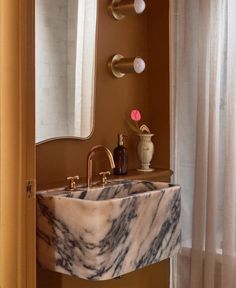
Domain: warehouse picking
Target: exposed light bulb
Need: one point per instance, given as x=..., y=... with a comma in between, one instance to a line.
x=139, y=6
x=139, y=65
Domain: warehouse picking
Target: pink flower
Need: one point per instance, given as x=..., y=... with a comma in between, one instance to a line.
x=135, y=115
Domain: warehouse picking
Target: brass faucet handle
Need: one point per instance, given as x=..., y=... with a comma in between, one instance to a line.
x=73, y=181
x=104, y=177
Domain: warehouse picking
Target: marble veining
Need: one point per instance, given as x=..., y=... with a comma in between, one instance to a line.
x=102, y=233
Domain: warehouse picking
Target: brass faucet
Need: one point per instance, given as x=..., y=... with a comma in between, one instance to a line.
x=90, y=162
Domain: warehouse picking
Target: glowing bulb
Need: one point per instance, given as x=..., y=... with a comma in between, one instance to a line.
x=139, y=6
x=139, y=65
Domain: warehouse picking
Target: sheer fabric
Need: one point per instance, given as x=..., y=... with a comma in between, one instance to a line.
x=85, y=59
x=203, y=98
x=82, y=14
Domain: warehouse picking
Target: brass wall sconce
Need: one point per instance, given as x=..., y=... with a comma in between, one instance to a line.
x=119, y=65
x=121, y=8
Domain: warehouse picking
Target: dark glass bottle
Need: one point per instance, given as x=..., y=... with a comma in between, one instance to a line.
x=120, y=155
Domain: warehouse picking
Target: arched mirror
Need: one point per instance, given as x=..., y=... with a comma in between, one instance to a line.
x=65, y=68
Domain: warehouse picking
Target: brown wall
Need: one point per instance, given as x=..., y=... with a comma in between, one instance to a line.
x=153, y=276
x=114, y=99
x=146, y=36
x=158, y=79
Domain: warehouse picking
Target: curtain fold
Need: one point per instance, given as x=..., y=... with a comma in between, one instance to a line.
x=203, y=96
x=84, y=74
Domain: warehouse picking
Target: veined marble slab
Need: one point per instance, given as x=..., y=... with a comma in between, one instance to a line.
x=102, y=233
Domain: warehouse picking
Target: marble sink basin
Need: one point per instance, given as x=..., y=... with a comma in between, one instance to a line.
x=104, y=232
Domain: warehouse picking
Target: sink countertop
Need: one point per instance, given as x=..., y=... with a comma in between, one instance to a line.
x=159, y=174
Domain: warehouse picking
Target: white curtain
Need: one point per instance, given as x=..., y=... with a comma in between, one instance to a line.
x=85, y=66
x=203, y=109
x=82, y=14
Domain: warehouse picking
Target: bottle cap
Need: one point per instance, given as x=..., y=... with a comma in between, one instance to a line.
x=120, y=139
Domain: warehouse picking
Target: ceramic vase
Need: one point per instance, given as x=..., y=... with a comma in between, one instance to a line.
x=145, y=151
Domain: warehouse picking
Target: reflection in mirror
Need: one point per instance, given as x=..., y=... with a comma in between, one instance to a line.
x=65, y=68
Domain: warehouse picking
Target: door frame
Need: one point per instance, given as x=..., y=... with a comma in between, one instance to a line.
x=17, y=145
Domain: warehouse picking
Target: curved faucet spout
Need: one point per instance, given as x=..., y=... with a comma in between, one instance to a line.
x=90, y=161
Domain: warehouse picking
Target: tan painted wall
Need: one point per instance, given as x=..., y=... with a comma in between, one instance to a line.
x=146, y=36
